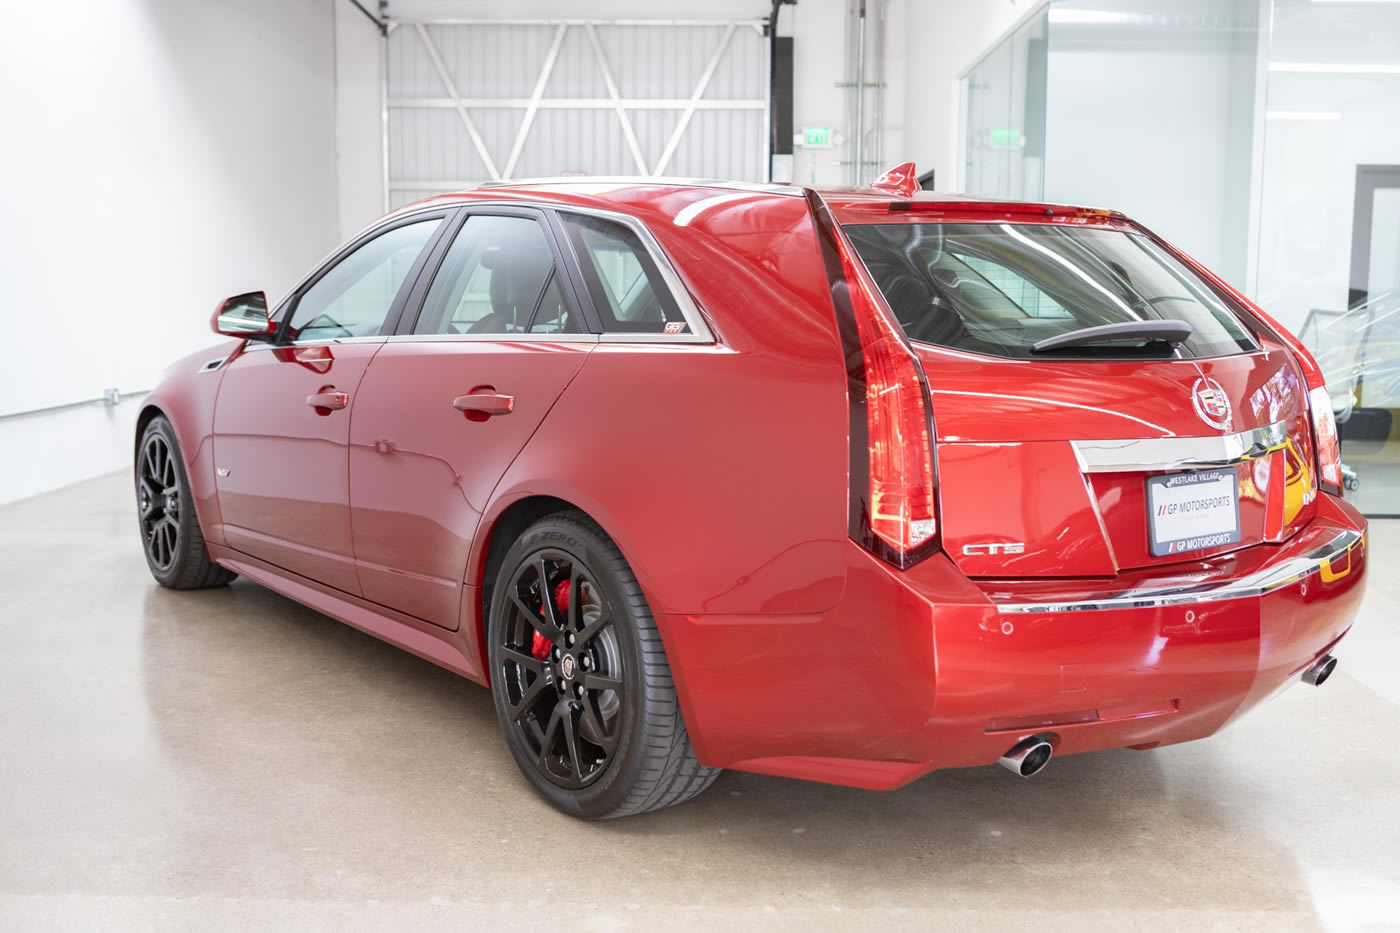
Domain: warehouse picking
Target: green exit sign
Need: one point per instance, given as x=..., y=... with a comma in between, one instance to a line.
x=1006, y=138
x=816, y=136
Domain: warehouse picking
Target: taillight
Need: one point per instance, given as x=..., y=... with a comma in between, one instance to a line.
x=893, y=495
x=903, y=513
x=1329, y=448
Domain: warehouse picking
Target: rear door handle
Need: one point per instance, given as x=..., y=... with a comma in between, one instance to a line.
x=484, y=403
x=328, y=400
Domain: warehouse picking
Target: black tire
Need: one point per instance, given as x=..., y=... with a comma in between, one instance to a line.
x=630, y=751
x=170, y=534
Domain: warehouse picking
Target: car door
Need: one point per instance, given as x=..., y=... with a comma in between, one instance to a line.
x=282, y=419
x=447, y=405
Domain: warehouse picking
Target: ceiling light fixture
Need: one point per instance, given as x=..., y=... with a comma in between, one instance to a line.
x=1303, y=115
x=1334, y=68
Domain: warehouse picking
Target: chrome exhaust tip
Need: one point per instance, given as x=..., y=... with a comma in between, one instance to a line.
x=1321, y=669
x=1027, y=756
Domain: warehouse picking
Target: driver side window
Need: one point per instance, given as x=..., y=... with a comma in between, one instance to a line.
x=354, y=297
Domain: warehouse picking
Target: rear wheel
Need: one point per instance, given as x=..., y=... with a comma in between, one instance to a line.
x=170, y=533
x=580, y=679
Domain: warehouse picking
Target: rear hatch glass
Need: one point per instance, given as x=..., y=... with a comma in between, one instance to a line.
x=1001, y=288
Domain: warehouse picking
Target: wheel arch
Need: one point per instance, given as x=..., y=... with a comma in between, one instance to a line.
x=149, y=412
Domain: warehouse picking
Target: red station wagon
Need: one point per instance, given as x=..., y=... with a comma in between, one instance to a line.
x=839, y=484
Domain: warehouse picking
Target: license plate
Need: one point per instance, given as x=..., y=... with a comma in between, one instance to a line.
x=1193, y=511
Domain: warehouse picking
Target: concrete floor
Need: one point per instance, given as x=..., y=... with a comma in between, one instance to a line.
x=228, y=759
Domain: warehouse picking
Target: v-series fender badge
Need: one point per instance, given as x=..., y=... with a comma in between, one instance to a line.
x=1014, y=547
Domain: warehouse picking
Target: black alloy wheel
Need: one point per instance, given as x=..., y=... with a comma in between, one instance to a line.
x=561, y=668
x=170, y=533
x=579, y=676
x=158, y=498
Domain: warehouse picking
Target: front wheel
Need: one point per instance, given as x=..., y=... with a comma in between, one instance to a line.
x=170, y=534
x=580, y=679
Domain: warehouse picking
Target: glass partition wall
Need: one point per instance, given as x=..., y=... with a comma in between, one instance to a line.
x=1004, y=101
x=1259, y=135
x=1329, y=221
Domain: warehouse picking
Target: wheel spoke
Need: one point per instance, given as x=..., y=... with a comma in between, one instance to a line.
x=538, y=624
x=528, y=661
x=528, y=700
x=601, y=682
x=170, y=536
x=575, y=597
x=594, y=627
x=547, y=596
x=536, y=732
x=571, y=744
x=148, y=460
x=550, y=731
x=606, y=742
x=148, y=500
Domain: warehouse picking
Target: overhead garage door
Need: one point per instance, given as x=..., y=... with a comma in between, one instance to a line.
x=468, y=102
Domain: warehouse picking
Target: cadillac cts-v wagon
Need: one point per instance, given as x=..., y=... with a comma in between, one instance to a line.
x=844, y=484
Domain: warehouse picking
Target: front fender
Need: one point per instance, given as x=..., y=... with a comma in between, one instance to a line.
x=186, y=395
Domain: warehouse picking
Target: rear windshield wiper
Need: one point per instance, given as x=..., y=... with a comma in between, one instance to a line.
x=1149, y=332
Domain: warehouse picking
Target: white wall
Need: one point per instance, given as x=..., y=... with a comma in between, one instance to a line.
x=157, y=157
x=359, y=122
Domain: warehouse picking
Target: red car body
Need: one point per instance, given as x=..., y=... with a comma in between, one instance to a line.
x=728, y=467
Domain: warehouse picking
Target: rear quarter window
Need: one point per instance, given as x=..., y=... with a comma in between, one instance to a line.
x=998, y=288
x=627, y=288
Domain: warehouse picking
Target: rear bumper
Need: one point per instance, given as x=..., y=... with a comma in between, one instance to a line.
x=925, y=669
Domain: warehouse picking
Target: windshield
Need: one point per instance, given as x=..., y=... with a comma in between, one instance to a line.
x=1001, y=288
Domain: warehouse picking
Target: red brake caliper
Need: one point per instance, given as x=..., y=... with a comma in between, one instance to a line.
x=539, y=645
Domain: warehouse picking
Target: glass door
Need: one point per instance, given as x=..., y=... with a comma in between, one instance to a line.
x=1369, y=337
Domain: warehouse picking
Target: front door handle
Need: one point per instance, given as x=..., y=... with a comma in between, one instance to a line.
x=483, y=405
x=328, y=400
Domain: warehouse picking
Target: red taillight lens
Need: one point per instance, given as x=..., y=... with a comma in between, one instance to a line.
x=902, y=507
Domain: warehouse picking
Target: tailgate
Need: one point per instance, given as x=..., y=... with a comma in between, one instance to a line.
x=1044, y=467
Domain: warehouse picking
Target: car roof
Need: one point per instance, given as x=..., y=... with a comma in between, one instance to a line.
x=627, y=193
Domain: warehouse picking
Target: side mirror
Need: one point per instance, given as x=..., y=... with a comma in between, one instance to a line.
x=243, y=316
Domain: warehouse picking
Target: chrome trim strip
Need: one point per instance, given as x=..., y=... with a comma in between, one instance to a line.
x=1259, y=583
x=1148, y=454
x=255, y=345
x=494, y=338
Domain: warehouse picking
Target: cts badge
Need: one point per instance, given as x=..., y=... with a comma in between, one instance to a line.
x=991, y=550
x=1211, y=403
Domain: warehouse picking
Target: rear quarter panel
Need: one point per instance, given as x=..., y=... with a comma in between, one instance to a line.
x=719, y=470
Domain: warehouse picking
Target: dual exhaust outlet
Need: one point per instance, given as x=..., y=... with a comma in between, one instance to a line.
x=1029, y=756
